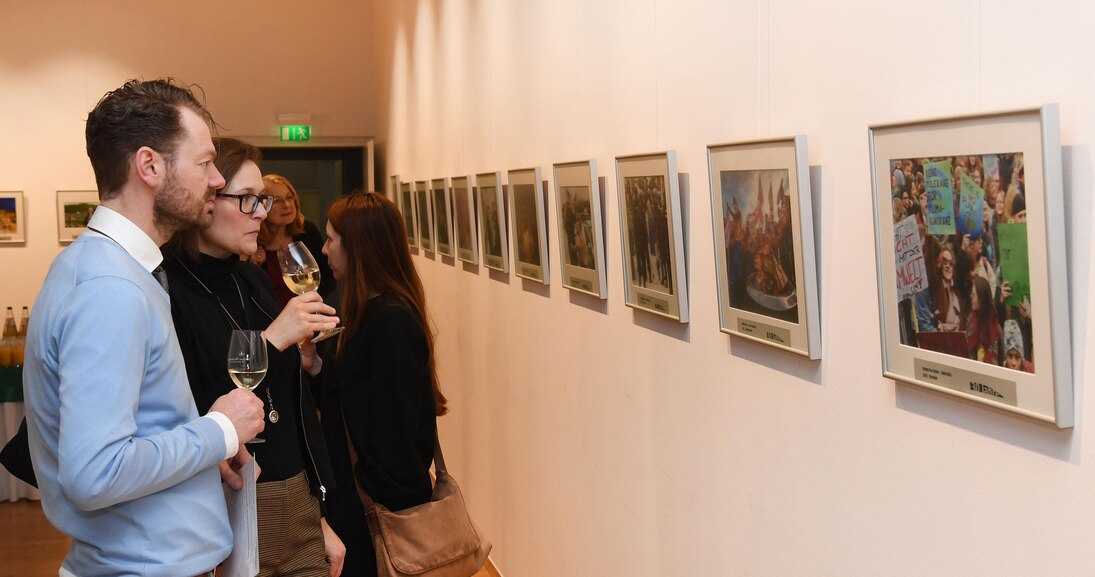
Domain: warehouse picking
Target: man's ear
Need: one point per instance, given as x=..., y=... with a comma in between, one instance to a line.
x=150, y=166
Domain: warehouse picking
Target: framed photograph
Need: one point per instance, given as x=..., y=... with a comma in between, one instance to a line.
x=13, y=218
x=464, y=217
x=74, y=210
x=762, y=217
x=581, y=236
x=442, y=215
x=492, y=221
x=410, y=219
x=393, y=189
x=425, y=217
x=972, y=270
x=529, y=224
x=655, y=278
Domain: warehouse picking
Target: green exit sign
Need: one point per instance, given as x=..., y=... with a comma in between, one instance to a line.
x=295, y=133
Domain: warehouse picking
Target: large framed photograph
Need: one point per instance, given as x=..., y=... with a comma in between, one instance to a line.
x=581, y=236
x=492, y=221
x=441, y=208
x=529, y=224
x=410, y=219
x=972, y=270
x=13, y=218
x=655, y=278
x=425, y=217
x=74, y=210
x=464, y=219
x=762, y=216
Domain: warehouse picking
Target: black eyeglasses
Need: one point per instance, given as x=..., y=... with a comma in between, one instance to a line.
x=249, y=203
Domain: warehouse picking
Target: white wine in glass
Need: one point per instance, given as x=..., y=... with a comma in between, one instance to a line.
x=247, y=362
x=300, y=271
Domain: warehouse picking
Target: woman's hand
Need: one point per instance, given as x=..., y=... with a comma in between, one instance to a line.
x=333, y=547
x=302, y=317
x=309, y=358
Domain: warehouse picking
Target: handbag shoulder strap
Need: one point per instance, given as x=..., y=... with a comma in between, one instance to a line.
x=366, y=500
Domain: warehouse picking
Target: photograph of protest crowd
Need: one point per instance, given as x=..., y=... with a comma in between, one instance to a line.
x=577, y=226
x=441, y=211
x=960, y=255
x=526, y=224
x=464, y=218
x=406, y=205
x=648, y=233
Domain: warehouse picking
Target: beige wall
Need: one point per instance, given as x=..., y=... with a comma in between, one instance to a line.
x=595, y=440
x=254, y=59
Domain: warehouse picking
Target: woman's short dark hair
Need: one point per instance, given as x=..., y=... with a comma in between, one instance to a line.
x=139, y=113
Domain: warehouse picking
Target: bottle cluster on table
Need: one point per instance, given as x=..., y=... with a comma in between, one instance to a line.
x=14, y=340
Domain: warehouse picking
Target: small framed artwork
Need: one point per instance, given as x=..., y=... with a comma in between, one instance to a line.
x=529, y=225
x=492, y=221
x=393, y=189
x=464, y=219
x=762, y=217
x=13, y=218
x=410, y=219
x=74, y=210
x=442, y=215
x=655, y=278
x=581, y=237
x=425, y=217
x=972, y=270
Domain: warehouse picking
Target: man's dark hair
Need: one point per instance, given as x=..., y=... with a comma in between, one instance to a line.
x=139, y=113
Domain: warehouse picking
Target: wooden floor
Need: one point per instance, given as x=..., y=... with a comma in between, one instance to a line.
x=31, y=547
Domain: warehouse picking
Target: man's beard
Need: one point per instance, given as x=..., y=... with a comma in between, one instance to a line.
x=172, y=211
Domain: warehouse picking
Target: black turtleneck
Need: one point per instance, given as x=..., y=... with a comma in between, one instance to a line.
x=209, y=298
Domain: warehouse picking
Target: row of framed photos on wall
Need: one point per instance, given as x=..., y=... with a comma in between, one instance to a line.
x=970, y=253
x=74, y=209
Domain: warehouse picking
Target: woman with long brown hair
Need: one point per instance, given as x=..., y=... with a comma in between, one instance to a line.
x=380, y=391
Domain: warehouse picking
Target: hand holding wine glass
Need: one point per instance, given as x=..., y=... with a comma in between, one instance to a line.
x=300, y=271
x=247, y=361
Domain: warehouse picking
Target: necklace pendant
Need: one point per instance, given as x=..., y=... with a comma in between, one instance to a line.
x=274, y=415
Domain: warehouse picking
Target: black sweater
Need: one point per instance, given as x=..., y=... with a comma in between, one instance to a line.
x=381, y=382
x=295, y=442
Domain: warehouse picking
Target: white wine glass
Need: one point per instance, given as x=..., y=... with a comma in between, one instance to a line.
x=247, y=362
x=300, y=272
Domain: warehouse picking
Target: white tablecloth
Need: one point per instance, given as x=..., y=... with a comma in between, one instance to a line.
x=12, y=489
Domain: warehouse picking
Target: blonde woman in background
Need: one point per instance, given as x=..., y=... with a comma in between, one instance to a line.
x=286, y=224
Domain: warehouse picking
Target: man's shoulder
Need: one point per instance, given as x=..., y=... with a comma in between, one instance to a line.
x=93, y=258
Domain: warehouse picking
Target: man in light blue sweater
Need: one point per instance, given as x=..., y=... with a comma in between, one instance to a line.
x=125, y=465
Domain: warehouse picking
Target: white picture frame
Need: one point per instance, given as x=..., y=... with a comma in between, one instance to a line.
x=465, y=221
x=1005, y=168
x=410, y=217
x=580, y=227
x=441, y=205
x=13, y=217
x=74, y=210
x=651, y=234
x=762, y=220
x=529, y=218
x=493, y=228
x=424, y=215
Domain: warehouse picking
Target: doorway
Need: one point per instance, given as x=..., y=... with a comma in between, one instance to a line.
x=320, y=175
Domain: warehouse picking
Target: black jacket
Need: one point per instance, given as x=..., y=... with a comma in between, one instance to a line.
x=242, y=294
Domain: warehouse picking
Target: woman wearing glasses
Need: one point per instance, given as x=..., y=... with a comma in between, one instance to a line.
x=212, y=293
x=286, y=224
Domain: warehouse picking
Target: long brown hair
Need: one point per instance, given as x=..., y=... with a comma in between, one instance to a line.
x=378, y=260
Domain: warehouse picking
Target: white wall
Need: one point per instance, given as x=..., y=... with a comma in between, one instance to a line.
x=253, y=58
x=592, y=439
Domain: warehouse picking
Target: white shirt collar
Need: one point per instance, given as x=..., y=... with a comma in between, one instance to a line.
x=130, y=236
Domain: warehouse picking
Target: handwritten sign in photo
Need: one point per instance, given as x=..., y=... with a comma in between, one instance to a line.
x=912, y=273
x=938, y=187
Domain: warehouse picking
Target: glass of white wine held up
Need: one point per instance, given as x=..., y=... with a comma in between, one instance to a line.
x=300, y=271
x=247, y=362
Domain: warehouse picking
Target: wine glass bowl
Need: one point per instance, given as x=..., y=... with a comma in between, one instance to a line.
x=247, y=361
x=300, y=271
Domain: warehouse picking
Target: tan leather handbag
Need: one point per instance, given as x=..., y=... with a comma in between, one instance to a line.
x=434, y=539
